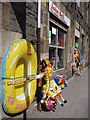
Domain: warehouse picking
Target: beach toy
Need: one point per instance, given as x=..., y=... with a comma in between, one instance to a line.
x=18, y=67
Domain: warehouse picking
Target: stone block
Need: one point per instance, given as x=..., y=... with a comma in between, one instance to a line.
x=0, y=107
x=7, y=38
x=0, y=43
x=45, y=32
x=30, y=14
x=0, y=15
x=30, y=31
x=42, y=41
x=5, y=16
x=32, y=6
x=30, y=22
x=31, y=38
x=11, y=21
x=46, y=46
x=41, y=48
x=46, y=18
x=14, y=26
x=65, y=4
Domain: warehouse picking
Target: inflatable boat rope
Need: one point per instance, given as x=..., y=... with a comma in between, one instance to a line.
x=25, y=78
x=33, y=77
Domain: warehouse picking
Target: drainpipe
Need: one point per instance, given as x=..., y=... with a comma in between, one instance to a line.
x=39, y=30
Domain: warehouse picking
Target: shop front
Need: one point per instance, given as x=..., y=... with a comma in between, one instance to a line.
x=58, y=28
x=56, y=46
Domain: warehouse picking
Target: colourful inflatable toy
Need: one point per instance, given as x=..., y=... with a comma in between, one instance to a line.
x=74, y=69
x=61, y=80
x=76, y=45
x=78, y=60
x=48, y=103
x=19, y=63
x=53, y=93
x=76, y=54
x=51, y=90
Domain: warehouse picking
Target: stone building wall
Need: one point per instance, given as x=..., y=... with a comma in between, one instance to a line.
x=80, y=15
x=44, y=31
x=19, y=20
x=31, y=21
x=9, y=29
x=0, y=32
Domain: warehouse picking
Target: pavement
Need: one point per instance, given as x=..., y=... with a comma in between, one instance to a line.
x=76, y=95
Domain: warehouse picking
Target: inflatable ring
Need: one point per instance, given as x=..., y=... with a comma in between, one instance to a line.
x=20, y=60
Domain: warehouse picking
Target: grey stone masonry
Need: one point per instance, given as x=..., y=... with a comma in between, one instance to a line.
x=22, y=21
x=31, y=21
x=9, y=20
x=77, y=13
x=44, y=29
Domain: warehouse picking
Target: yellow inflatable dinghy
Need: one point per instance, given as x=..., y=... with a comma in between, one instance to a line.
x=20, y=60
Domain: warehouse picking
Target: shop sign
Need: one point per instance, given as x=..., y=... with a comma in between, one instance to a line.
x=58, y=13
x=77, y=33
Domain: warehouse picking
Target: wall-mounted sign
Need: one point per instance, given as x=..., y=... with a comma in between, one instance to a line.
x=58, y=13
x=53, y=30
x=77, y=33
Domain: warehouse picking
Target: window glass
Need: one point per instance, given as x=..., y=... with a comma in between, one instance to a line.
x=52, y=57
x=52, y=39
x=60, y=59
x=60, y=41
x=52, y=35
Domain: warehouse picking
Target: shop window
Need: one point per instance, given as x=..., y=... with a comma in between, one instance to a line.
x=52, y=36
x=60, y=41
x=56, y=47
x=60, y=59
x=53, y=40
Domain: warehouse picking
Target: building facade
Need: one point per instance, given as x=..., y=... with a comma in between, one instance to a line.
x=66, y=23
x=62, y=25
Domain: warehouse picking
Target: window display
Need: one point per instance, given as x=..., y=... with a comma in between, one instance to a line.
x=60, y=41
x=60, y=58
x=52, y=57
x=52, y=35
x=53, y=39
x=56, y=47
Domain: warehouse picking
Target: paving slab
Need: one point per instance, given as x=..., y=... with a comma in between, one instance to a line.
x=81, y=115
